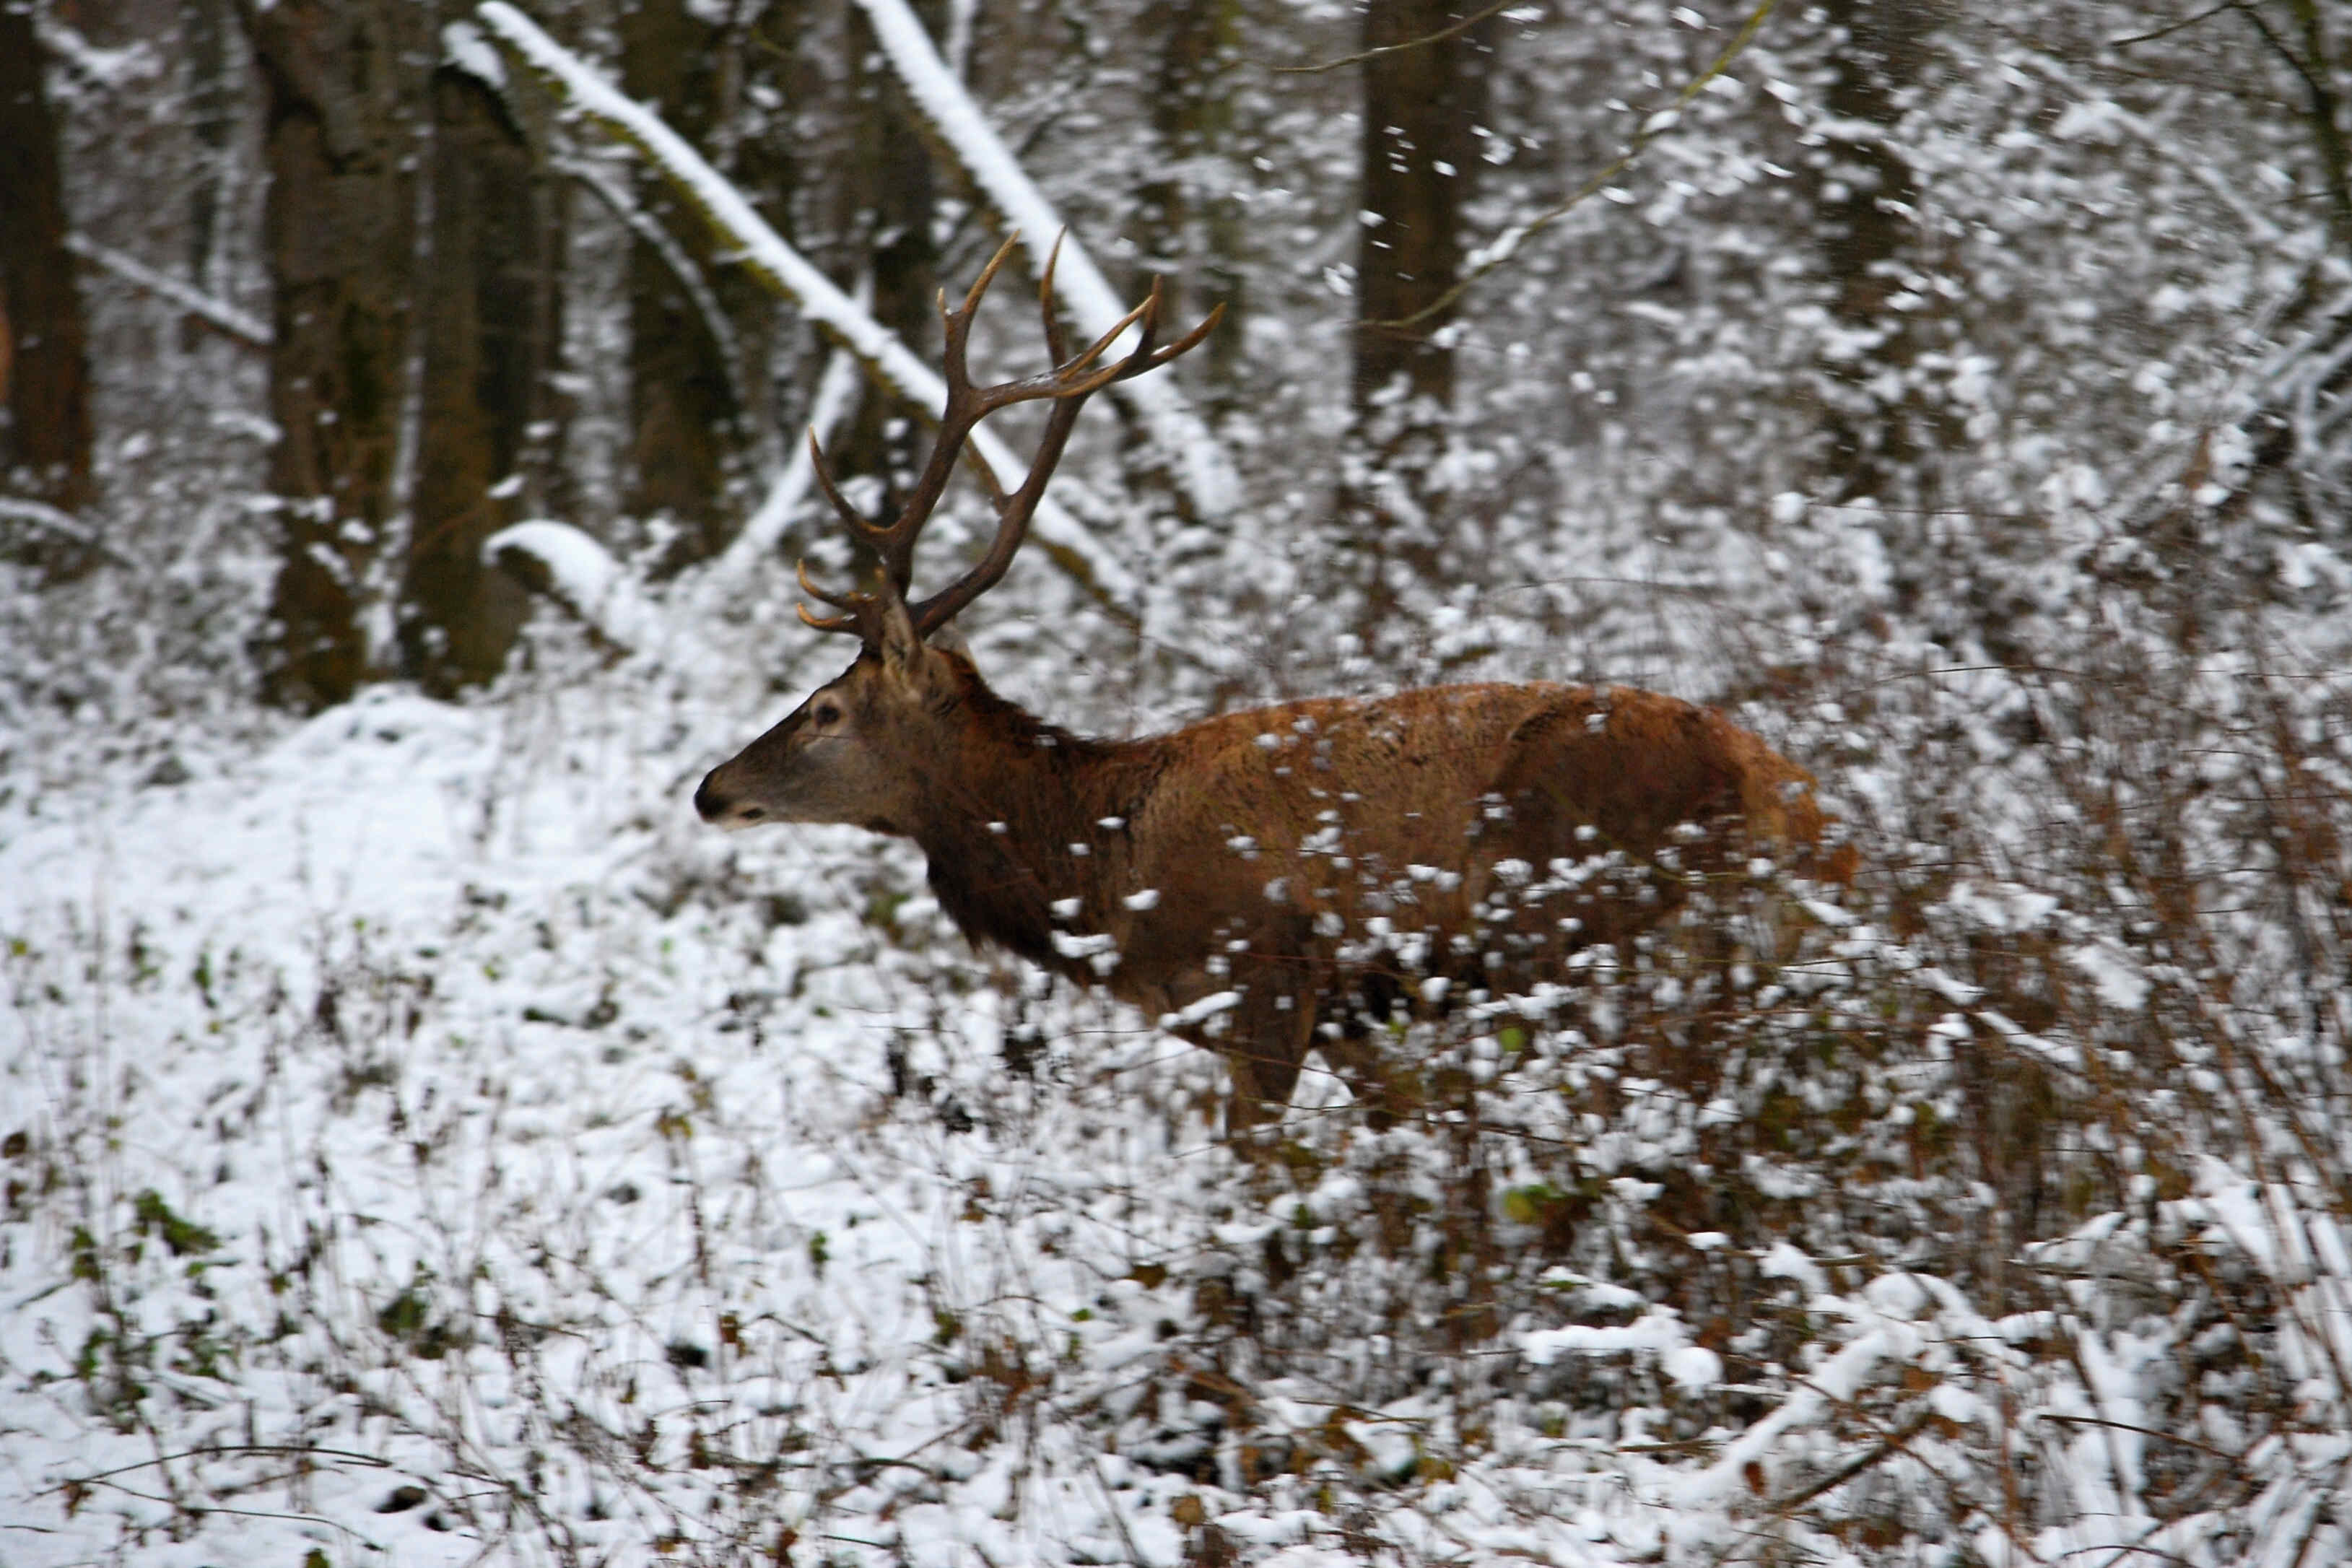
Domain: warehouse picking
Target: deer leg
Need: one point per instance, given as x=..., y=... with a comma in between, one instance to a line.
x=1266, y=1036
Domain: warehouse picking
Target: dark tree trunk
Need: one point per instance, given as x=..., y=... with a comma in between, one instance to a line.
x=207, y=31
x=340, y=234
x=490, y=337
x=685, y=406
x=1864, y=192
x=1195, y=236
x=1420, y=103
x=889, y=208
x=45, y=447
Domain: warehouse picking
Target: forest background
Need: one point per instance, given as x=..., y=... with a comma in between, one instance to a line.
x=423, y=1142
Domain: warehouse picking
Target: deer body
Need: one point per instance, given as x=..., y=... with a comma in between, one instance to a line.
x=1268, y=881
x=1484, y=833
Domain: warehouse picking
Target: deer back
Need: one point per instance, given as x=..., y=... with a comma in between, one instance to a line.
x=1299, y=830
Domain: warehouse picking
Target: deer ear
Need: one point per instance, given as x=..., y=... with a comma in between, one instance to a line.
x=948, y=639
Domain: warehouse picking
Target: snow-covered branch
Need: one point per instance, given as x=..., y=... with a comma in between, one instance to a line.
x=242, y=325
x=836, y=398
x=768, y=257
x=558, y=560
x=1197, y=459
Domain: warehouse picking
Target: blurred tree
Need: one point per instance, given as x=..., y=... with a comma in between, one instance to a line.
x=45, y=444
x=491, y=331
x=886, y=214
x=214, y=95
x=1865, y=200
x=1423, y=74
x=410, y=363
x=341, y=243
x=699, y=334
x=1186, y=210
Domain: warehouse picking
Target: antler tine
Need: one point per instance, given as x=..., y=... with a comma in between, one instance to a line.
x=847, y=513
x=1071, y=380
x=849, y=621
x=1056, y=341
x=1188, y=343
x=966, y=406
x=858, y=608
x=970, y=306
x=1069, y=384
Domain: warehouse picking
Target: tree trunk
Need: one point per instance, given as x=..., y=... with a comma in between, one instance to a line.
x=1421, y=100
x=685, y=406
x=340, y=234
x=490, y=338
x=1181, y=226
x=889, y=212
x=1864, y=191
x=205, y=30
x=45, y=445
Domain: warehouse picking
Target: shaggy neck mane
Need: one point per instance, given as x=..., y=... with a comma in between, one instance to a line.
x=1007, y=808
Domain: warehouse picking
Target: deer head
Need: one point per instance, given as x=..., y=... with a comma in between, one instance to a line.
x=865, y=748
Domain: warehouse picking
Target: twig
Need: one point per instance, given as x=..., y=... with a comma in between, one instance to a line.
x=1885, y=1449
x=1439, y=37
x=56, y=520
x=235, y=324
x=1656, y=125
x=2171, y=28
x=289, y=1449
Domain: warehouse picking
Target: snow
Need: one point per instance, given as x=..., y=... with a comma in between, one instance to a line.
x=585, y=576
x=418, y=1097
x=609, y=1146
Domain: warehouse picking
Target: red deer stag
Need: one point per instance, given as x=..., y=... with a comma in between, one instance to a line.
x=1265, y=882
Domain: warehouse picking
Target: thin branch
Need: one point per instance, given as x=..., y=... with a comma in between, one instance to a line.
x=2202, y=1447
x=65, y=525
x=2171, y=28
x=1439, y=37
x=1656, y=125
x=227, y=1450
x=241, y=326
x=1885, y=1449
x=2313, y=72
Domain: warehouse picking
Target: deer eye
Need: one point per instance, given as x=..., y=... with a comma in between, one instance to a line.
x=827, y=715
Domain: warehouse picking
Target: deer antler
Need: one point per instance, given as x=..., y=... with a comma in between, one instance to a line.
x=1069, y=384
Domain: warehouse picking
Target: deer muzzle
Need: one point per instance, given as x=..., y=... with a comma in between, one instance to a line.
x=725, y=805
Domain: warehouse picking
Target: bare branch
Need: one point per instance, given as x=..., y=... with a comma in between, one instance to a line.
x=1439, y=37
x=1656, y=125
x=242, y=326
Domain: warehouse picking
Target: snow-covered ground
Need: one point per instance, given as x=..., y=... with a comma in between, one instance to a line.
x=446, y=1026
x=426, y=1143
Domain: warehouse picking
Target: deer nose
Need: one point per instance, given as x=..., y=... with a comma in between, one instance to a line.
x=723, y=805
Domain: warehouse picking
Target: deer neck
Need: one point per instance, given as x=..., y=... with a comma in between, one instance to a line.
x=1016, y=828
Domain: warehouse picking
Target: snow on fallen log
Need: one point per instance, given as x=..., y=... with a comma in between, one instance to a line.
x=766, y=255
x=558, y=560
x=1196, y=459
